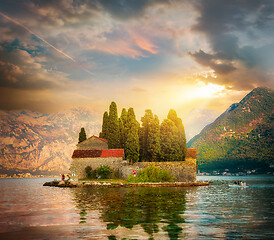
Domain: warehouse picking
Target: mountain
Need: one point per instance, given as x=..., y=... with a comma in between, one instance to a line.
x=42, y=143
x=240, y=138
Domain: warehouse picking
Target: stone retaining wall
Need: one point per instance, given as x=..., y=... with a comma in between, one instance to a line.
x=184, y=171
x=78, y=165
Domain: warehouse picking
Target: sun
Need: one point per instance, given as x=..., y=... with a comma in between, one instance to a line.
x=208, y=90
x=199, y=91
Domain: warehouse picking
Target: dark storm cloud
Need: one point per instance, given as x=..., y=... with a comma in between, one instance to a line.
x=224, y=23
x=206, y=59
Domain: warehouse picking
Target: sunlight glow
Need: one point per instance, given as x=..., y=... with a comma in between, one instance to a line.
x=200, y=90
x=208, y=90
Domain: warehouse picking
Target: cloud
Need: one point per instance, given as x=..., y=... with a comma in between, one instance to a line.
x=18, y=69
x=96, y=25
x=228, y=26
x=213, y=62
x=128, y=44
x=121, y=41
x=143, y=43
x=138, y=89
x=52, y=14
x=129, y=9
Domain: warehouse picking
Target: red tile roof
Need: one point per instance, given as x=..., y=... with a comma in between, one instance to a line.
x=191, y=153
x=112, y=153
x=86, y=153
x=98, y=153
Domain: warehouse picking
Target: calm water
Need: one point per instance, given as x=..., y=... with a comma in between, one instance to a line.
x=30, y=211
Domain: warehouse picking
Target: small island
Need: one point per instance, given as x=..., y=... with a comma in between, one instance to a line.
x=126, y=154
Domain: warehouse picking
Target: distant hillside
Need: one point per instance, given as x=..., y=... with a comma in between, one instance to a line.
x=241, y=138
x=42, y=143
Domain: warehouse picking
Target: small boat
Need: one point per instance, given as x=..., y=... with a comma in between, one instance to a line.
x=237, y=186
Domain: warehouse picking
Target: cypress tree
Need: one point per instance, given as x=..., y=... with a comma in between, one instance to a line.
x=149, y=137
x=172, y=115
x=82, y=135
x=132, y=138
x=104, y=133
x=122, y=127
x=144, y=131
x=169, y=141
x=154, y=140
x=113, y=127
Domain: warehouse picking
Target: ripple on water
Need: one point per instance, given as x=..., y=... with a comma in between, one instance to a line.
x=208, y=212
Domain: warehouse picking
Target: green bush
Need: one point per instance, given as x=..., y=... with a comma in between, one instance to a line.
x=88, y=171
x=104, y=171
x=152, y=174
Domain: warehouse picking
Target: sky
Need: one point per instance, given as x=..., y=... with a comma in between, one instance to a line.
x=197, y=57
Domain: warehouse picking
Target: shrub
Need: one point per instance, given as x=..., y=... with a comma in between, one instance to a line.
x=152, y=174
x=88, y=171
x=94, y=174
x=104, y=171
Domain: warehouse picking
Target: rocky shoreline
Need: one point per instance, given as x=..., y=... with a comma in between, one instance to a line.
x=74, y=184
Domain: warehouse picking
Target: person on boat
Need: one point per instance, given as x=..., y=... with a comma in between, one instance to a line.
x=63, y=177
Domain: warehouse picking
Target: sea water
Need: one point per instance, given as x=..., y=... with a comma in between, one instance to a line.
x=30, y=211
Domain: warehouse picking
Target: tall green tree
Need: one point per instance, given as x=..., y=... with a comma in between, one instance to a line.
x=144, y=131
x=132, y=138
x=149, y=137
x=172, y=115
x=169, y=141
x=154, y=140
x=122, y=127
x=113, y=127
x=104, y=133
x=82, y=135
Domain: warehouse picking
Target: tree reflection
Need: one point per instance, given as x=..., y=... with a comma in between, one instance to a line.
x=151, y=208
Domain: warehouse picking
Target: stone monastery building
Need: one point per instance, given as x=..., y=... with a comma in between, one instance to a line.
x=94, y=152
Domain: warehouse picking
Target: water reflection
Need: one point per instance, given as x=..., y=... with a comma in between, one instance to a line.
x=30, y=211
x=154, y=209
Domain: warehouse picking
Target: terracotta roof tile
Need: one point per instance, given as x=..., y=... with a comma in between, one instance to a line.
x=86, y=153
x=112, y=153
x=98, y=153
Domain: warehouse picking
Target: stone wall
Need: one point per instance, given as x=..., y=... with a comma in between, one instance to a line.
x=78, y=165
x=92, y=143
x=183, y=171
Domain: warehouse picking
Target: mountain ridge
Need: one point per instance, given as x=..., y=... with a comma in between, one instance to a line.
x=42, y=143
x=242, y=135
